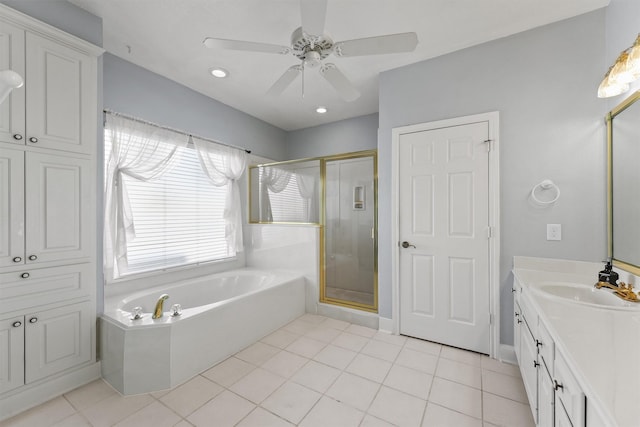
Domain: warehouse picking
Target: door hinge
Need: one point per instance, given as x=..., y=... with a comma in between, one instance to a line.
x=489, y=143
x=489, y=232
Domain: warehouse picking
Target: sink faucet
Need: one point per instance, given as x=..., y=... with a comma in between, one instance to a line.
x=608, y=278
x=157, y=312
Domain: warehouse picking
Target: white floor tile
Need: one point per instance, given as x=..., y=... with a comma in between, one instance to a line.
x=390, y=338
x=354, y=391
x=328, y=412
x=497, y=366
x=350, y=341
x=306, y=347
x=300, y=326
x=116, y=408
x=335, y=324
x=191, y=395
x=459, y=372
x=504, y=385
x=75, y=420
x=183, y=423
x=323, y=333
x=506, y=412
x=361, y=330
x=381, y=350
x=423, y=346
x=155, y=414
x=284, y=363
x=314, y=319
x=280, y=338
x=258, y=353
x=89, y=394
x=423, y=362
x=369, y=367
x=460, y=355
x=226, y=409
x=229, y=371
x=371, y=421
x=335, y=356
x=291, y=401
x=262, y=418
x=460, y=398
x=316, y=376
x=257, y=385
x=438, y=416
x=409, y=380
x=48, y=413
x=398, y=408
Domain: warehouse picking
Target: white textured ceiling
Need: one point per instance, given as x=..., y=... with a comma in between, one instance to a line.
x=165, y=36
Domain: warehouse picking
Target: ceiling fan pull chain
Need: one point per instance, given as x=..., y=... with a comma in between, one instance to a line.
x=303, y=80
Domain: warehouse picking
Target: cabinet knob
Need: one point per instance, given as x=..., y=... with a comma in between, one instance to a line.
x=17, y=259
x=17, y=324
x=25, y=275
x=17, y=136
x=33, y=320
x=557, y=386
x=535, y=364
x=33, y=257
x=513, y=290
x=33, y=139
x=519, y=321
x=538, y=343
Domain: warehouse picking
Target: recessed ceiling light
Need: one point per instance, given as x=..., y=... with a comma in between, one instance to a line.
x=220, y=73
x=321, y=110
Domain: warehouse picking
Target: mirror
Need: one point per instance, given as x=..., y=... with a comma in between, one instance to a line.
x=285, y=192
x=623, y=127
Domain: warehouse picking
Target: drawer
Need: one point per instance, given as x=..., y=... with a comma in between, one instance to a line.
x=546, y=346
x=37, y=286
x=568, y=392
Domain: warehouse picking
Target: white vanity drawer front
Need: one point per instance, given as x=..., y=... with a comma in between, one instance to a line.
x=568, y=392
x=546, y=346
x=529, y=314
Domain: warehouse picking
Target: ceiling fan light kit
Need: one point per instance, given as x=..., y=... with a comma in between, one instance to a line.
x=311, y=46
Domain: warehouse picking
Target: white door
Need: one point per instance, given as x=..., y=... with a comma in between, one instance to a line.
x=11, y=353
x=444, y=217
x=11, y=207
x=12, y=109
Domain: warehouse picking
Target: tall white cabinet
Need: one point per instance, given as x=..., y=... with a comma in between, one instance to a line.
x=48, y=134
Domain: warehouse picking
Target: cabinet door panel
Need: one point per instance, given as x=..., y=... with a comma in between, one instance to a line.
x=60, y=95
x=545, y=397
x=56, y=340
x=529, y=370
x=11, y=353
x=45, y=285
x=59, y=194
x=11, y=207
x=12, y=58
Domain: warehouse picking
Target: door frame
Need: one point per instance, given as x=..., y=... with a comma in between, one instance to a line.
x=494, y=217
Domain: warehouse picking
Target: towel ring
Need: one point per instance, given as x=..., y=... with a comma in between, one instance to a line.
x=545, y=185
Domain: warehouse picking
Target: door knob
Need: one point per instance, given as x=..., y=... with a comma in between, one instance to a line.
x=17, y=259
x=406, y=244
x=33, y=139
x=25, y=275
x=33, y=257
x=17, y=136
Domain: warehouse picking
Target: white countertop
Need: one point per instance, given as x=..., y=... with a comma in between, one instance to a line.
x=601, y=345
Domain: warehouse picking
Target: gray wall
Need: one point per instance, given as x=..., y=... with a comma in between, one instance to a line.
x=345, y=136
x=133, y=90
x=543, y=82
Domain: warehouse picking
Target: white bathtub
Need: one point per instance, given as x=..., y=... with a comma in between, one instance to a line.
x=221, y=314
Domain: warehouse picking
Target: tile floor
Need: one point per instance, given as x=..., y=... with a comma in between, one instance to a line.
x=315, y=371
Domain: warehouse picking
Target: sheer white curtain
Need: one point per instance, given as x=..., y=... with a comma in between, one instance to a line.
x=274, y=180
x=141, y=151
x=225, y=165
x=307, y=189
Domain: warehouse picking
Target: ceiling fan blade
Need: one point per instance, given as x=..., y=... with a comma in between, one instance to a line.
x=285, y=80
x=214, y=43
x=392, y=43
x=340, y=83
x=313, y=13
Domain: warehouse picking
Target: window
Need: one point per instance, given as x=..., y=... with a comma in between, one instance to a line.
x=178, y=217
x=287, y=205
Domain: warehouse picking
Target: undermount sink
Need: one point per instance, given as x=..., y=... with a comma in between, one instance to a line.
x=582, y=294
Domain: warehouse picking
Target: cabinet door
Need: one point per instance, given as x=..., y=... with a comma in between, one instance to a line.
x=529, y=370
x=11, y=353
x=11, y=207
x=59, y=199
x=12, y=109
x=61, y=96
x=517, y=329
x=545, y=397
x=57, y=339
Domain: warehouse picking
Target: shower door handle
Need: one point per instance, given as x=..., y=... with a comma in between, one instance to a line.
x=406, y=244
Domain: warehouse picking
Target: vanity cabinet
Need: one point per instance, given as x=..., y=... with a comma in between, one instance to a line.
x=42, y=343
x=59, y=89
x=48, y=203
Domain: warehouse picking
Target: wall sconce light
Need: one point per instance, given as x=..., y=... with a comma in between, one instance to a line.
x=9, y=80
x=625, y=70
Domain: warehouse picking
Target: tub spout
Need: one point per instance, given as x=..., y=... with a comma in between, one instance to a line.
x=157, y=312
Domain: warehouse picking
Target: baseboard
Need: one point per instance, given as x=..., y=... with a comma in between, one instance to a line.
x=358, y=317
x=21, y=400
x=385, y=324
x=508, y=354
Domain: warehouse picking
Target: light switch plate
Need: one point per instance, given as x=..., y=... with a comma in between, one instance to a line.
x=554, y=232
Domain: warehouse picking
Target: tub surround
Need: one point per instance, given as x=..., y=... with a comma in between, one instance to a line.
x=600, y=345
x=141, y=356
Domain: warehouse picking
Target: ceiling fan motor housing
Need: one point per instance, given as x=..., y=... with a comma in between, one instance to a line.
x=310, y=48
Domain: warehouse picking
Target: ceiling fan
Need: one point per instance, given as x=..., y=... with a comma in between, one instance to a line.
x=311, y=46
